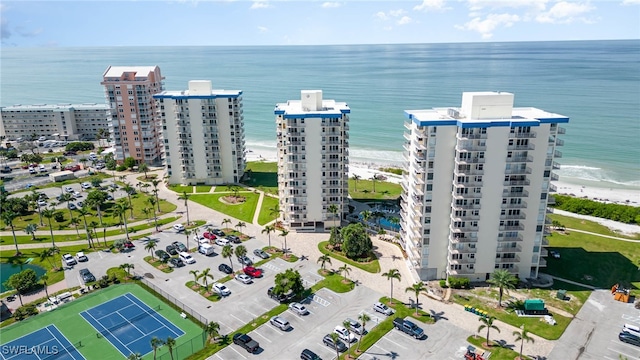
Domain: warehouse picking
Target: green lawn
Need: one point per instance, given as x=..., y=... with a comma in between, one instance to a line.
x=372, y=266
x=68, y=320
x=497, y=352
x=263, y=176
x=265, y=215
x=336, y=282
x=586, y=225
x=243, y=212
x=181, y=188
x=594, y=260
x=363, y=191
x=203, y=188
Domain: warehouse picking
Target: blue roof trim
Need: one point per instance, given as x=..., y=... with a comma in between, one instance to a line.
x=200, y=97
x=313, y=115
x=553, y=120
x=278, y=111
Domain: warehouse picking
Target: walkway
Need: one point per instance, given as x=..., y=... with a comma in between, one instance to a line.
x=604, y=236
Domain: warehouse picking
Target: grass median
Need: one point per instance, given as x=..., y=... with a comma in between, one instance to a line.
x=371, y=266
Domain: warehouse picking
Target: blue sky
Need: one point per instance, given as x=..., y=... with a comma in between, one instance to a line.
x=194, y=23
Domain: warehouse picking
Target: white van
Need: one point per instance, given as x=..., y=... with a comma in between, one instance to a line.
x=206, y=249
x=186, y=258
x=631, y=329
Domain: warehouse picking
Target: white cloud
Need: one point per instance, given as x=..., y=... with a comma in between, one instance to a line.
x=486, y=26
x=404, y=20
x=331, y=4
x=260, y=5
x=565, y=12
x=430, y=5
x=475, y=5
x=396, y=13
x=390, y=14
x=631, y=2
x=262, y=29
x=381, y=15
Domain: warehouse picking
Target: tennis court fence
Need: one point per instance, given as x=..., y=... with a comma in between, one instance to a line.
x=185, y=349
x=173, y=300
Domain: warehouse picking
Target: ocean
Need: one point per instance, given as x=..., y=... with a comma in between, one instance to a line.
x=595, y=83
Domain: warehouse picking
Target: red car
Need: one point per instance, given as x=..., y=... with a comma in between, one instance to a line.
x=253, y=272
x=128, y=245
x=208, y=235
x=72, y=167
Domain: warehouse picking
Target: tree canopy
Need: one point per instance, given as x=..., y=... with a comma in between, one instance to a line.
x=355, y=241
x=288, y=281
x=23, y=281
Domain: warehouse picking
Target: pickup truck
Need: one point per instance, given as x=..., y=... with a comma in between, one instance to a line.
x=408, y=327
x=246, y=342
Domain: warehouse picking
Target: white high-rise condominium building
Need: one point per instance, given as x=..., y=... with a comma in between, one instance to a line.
x=135, y=123
x=477, y=187
x=313, y=161
x=203, y=132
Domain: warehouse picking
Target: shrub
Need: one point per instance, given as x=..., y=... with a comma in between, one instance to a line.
x=623, y=213
x=459, y=283
x=79, y=146
x=443, y=284
x=121, y=168
x=58, y=217
x=25, y=311
x=514, y=305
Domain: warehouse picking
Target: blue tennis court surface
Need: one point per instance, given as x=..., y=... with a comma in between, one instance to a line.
x=129, y=324
x=46, y=343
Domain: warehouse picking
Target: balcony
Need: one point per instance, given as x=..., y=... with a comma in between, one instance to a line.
x=469, y=171
x=551, y=200
x=557, y=154
x=463, y=229
x=521, y=147
x=465, y=207
x=474, y=160
x=460, y=272
x=555, y=166
x=511, y=227
x=512, y=217
x=561, y=130
x=514, y=259
x=512, y=238
x=507, y=193
x=471, y=195
x=465, y=250
x=407, y=136
x=520, y=159
x=467, y=217
x=516, y=183
x=523, y=135
x=559, y=142
x=543, y=262
x=465, y=240
x=553, y=188
x=470, y=147
x=461, y=136
x=509, y=249
x=407, y=125
x=464, y=260
x=520, y=171
x=554, y=177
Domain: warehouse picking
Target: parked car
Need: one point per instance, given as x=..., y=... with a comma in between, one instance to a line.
x=408, y=327
x=221, y=289
x=71, y=206
x=180, y=246
x=225, y=268
x=69, y=189
x=252, y=271
x=206, y=249
x=307, y=354
x=222, y=241
x=128, y=244
x=42, y=203
x=218, y=232
x=629, y=338
x=81, y=257
x=209, y=235
x=41, y=168
x=234, y=239
x=554, y=254
x=68, y=153
x=6, y=169
x=87, y=276
x=244, y=278
x=199, y=239
x=69, y=260
x=77, y=195
x=246, y=342
x=260, y=253
x=176, y=262
x=86, y=185
x=344, y=334
x=282, y=298
x=171, y=249
x=298, y=308
x=338, y=345
x=280, y=322
x=244, y=260
x=382, y=308
x=163, y=255
x=178, y=227
x=109, y=197
x=73, y=168
x=355, y=326
x=80, y=204
x=186, y=258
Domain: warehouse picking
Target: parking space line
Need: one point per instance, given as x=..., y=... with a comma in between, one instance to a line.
x=632, y=347
x=622, y=353
x=237, y=318
x=262, y=336
x=385, y=351
x=387, y=339
x=373, y=317
x=320, y=300
x=219, y=356
x=237, y=352
x=327, y=348
x=252, y=314
x=225, y=325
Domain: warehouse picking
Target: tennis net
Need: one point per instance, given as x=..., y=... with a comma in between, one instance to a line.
x=128, y=321
x=55, y=351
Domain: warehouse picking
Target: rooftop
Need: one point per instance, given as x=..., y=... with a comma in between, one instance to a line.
x=118, y=71
x=56, y=107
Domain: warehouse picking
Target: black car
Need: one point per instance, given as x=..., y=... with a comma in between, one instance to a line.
x=281, y=298
x=109, y=198
x=171, y=249
x=309, y=355
x=163, y=255
x=176, y=262
x=629, y=338
x=87, y=276
x=225, y=268
x=217, y=232
x=339, y=345
x=234, y=239
x=43, y=196
x=180, y=246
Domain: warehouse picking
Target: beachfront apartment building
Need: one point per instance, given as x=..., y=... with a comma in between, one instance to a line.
x=313, y=161
x=477, y=185
x=55, y=122
x=135, y=124
x=203, y=131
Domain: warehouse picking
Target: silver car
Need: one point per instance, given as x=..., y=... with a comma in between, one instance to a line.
x=244, y=278
x=280, y=323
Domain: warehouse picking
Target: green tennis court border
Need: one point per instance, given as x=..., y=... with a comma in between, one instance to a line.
x=68, y=320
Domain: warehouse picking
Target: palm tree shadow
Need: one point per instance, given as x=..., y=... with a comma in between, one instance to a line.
x=438, y=315
x=390, y=355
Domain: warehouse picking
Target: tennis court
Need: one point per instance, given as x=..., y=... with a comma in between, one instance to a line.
x=46, y=343
x=129, y=324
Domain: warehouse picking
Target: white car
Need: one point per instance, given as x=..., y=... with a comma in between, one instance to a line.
x=42, y=203
x=86, y=185
x=186, y=258
x=77, y=194
x=200, y=239
x=382, y=308
x=298, y=308
x=244, y=278
x=41, y=168
x=222, y=241
x=344, y=334
x=178, y=227
x=69, y=189
x=81, y=257
x=69, y=260
x=221, y=289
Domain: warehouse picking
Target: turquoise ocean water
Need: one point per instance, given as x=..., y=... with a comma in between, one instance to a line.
x=595, y=83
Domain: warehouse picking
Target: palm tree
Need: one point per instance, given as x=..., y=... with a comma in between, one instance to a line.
x=522, y=336
x=121, y=208
x=390, y=275
x=155, y=344
x=155, y=183
x=7, y=217
x=34, y=199
x=240, y=225
x=275, y=211
x=335, y=338
x=363, y=317
x=227, y=252
x=49, y=213
x=46, y=254
x=269, y=229
x=240, y=251
x=284, y=234
x=75, y=222
x=188, y=232
x=417, y=288
x=45, y=278
x=355, y=178
x=323, y=260
x=366, y=215
x=374, y=178
x=143, y=168
x=212, y=329
x=150, y=247
x=135, y=356
x=185, y=197
x=31, y=230
x=206, y=275
x=129, y=189
x=333, y=209
x=345, y=270
x=152, y=201
x=504, y=281
x=170, y=343
x=66, y=197
x=195, y=274
x=226, y=221
x=83, y=211
x=93, y=225
x=487, y=322
x=127, y=267
x=146, y=211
